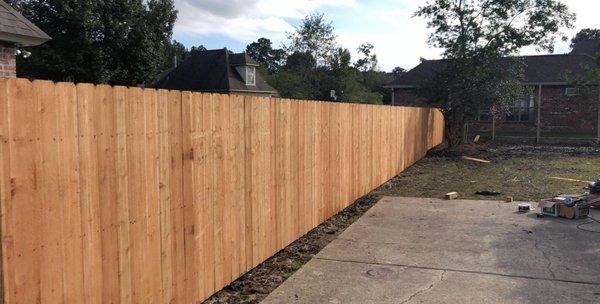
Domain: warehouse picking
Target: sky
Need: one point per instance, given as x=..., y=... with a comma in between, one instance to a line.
x=399, y=38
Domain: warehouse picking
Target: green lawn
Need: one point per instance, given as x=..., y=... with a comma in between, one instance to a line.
x=526, y=178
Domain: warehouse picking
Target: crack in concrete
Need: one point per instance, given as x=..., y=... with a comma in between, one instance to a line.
x=426, y=289
x=457, y=270
x=549, y=265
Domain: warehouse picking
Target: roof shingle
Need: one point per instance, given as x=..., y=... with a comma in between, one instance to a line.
x=16, y=28
x=212, y=71
x=542, y=69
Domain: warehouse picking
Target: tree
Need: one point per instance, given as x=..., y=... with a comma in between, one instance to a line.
x=290, y=84
x=125, y=42
x=475, y=35
x=585, y=34
x=314, y=36
x=398, y=71
x=368, y=62
x=263, y=52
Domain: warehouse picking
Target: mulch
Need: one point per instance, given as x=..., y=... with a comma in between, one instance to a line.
x=255, y=285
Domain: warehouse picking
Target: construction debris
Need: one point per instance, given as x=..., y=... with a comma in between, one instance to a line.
x=509, y=199
x=476, y=140
x=483, y=161
x=571, y=180
x=594, y=187
x=451, y=195
x=570, y=206
x=488, y=192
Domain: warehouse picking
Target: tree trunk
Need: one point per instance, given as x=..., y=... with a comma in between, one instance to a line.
x=453, y=130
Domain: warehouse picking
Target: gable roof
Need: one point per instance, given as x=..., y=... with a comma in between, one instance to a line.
x=17, y=29
x=212, y=71
x=541, y=69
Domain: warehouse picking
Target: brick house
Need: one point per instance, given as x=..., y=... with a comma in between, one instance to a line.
x=218, y=71
x=562, y=109
x=15, y=32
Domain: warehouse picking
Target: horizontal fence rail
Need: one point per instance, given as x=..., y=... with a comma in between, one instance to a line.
x=130, y=195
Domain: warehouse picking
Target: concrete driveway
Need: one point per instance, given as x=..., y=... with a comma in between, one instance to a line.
x=416, y=250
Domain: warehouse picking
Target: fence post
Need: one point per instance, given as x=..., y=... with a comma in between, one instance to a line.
x=598, y=128
x=539, y=114
x=493, y=127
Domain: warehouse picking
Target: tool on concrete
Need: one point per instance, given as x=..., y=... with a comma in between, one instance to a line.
x=524, y=207
x=569, y=206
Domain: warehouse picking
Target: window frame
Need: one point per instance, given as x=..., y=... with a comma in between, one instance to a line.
x=522, y=108
x=251, y=74
x=575, y=92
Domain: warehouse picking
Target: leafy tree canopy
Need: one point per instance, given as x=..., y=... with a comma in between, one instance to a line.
x=368, y=62
x=263, y=52
x=315, y=36
x=126, y=42
x=585, y=34
x=474, y=35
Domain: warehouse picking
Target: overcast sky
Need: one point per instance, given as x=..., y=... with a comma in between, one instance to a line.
x=399, y=39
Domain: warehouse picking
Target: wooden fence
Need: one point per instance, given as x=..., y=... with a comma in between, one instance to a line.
x=129, y=195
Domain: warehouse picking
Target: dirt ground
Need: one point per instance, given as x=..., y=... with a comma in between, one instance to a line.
x=522, y=172
x=263, y=279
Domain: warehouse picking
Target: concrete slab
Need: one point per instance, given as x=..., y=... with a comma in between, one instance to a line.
x=435, y=251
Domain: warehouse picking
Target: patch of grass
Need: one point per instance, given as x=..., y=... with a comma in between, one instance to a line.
x=526, y=178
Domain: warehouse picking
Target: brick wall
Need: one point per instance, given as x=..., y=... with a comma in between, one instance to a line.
x=408, y=97
x=8, y=66
x=560, y=113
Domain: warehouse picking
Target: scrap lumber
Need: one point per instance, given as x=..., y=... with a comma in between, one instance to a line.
x=451, y=195
x=476, y=160
x=570, y=180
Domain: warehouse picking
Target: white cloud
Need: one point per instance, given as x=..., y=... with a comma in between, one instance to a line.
x=246, y=20
x=399, y=39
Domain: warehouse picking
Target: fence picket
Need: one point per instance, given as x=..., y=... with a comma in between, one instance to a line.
x=130, y=195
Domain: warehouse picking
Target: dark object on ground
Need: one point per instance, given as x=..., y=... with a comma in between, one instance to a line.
x=488, y=192
x=595, y=187
x=256, y=284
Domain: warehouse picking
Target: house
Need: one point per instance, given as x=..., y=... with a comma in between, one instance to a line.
x=562, y=109
x=15, y=32
x=217, y=71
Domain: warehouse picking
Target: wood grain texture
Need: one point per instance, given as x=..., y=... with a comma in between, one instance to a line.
x=130, y=195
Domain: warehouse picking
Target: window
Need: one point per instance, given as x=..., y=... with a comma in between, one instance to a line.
x=522, y=110
x=250, y=75
x=572, y=91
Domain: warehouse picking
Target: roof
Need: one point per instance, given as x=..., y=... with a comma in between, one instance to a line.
x=541, y=69
x=16, y=28
x=242, y=59
x=212, y=71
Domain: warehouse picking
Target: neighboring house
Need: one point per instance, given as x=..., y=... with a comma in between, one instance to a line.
x=15, y=32
x=217, y=71
x=562, y=109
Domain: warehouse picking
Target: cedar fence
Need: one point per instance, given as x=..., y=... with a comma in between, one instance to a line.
x=130, y=195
